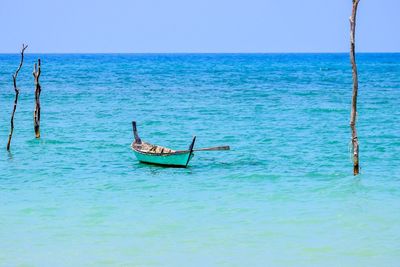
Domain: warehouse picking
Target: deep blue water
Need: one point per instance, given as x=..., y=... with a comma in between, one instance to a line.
x=283, y=196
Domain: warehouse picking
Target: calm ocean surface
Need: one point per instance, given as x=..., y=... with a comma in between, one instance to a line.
x=283, y=196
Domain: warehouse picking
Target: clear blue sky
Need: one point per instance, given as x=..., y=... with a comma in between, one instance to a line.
x=197, y=25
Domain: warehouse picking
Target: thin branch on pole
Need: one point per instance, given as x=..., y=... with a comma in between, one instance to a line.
x=353, y=115
x=38, y=90
x=16, y=96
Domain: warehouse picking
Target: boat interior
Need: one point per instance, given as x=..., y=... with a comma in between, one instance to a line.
x=154, y=149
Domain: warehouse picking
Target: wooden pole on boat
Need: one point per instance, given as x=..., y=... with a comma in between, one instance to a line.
x=16, y=96
x=191, y=150
x=353, y=115
x=38, y=90
x=215, y=148
x=135, y=133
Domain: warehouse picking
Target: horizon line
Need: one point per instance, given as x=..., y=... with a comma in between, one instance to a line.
x=205, y=53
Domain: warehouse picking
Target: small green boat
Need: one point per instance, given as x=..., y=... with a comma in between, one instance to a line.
x=159, y=155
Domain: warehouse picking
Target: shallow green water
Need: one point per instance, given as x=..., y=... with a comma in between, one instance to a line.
x=283, y=196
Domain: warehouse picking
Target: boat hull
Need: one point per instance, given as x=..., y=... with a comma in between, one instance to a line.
x=171, y=160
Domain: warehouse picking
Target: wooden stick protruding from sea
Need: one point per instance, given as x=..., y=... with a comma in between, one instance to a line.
x=353, y=115
x=16, y=96
x=38, y=90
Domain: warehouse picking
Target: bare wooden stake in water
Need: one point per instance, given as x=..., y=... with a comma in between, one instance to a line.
x=38, y=89
x=353, y=115
x=16, y=96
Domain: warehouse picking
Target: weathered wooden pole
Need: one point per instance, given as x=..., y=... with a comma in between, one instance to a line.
x=16, y=96
x=353, y=115
x=38, y=90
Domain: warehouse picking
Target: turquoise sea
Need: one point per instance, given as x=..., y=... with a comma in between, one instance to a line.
x=283, y=196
